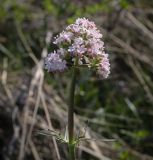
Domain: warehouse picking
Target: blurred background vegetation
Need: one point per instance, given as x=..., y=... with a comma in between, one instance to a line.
x=120, y=107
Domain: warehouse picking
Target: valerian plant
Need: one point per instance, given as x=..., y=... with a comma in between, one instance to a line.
x=79, y=45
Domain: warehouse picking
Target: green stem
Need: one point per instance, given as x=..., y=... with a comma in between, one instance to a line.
x=71, y=152
x=71, y=117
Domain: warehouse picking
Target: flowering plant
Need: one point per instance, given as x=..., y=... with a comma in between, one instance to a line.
x=79, y=45
x=81, y=41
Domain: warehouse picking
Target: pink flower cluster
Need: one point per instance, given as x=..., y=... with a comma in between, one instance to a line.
x=53, y=63
x=81, y=41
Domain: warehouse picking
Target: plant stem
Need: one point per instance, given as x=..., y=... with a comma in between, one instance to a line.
x=71, y=117
x=71, y=152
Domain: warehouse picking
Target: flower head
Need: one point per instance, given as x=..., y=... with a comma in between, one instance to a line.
x=82, y=41
x=104, y=66
x=53, y=63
